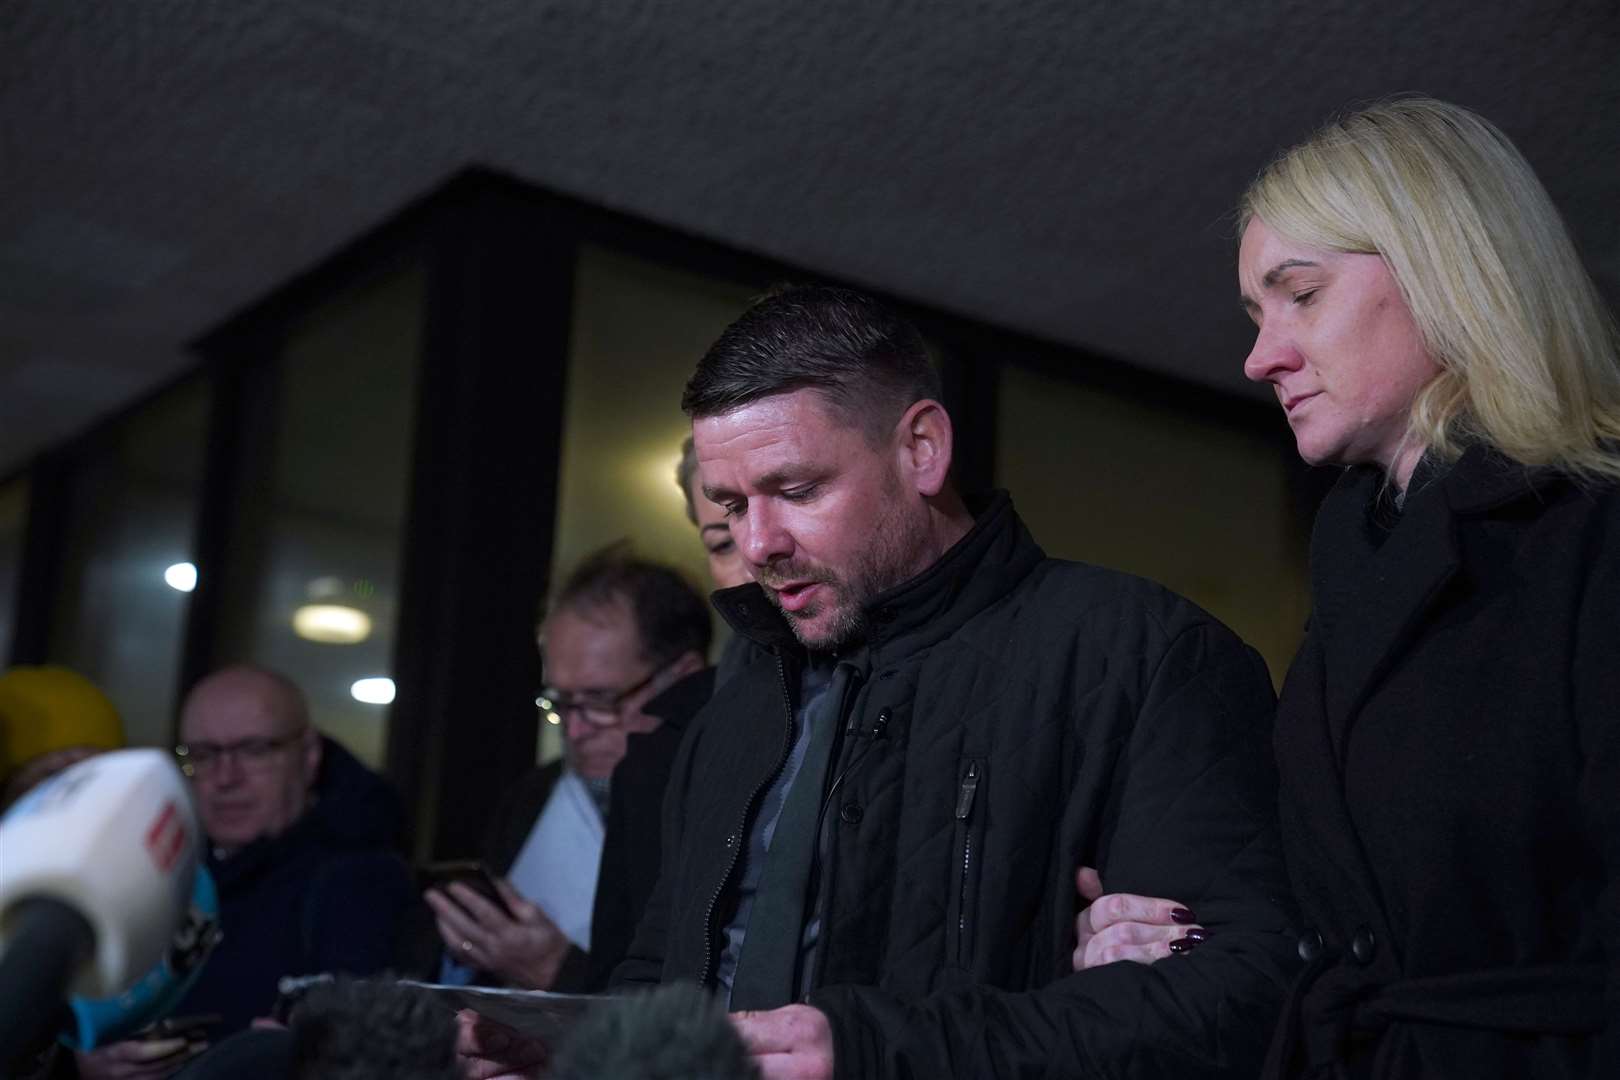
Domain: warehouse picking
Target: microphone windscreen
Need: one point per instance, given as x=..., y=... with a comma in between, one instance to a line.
x=350, y=1029
x=676, y=1032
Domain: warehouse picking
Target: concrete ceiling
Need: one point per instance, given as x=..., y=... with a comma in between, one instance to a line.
x=1063, y=169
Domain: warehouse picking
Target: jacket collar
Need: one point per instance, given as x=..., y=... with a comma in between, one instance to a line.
x=680, y=701
x=979, y=569
x=1373, y=591
x=350, y=807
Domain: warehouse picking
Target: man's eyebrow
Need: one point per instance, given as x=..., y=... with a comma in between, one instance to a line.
x=1276, y=272
x=771, y=481
x=778, y=478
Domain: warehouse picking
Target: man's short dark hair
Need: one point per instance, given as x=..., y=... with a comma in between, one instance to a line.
x=869, y=362
x=685, y=469
x=671, y=617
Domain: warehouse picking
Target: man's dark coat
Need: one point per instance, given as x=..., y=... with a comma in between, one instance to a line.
x=1449, y=744
x=630, y=853
x=1019, y=717
x=328, y=895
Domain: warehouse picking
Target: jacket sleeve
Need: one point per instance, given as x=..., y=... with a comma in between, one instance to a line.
x=1192, y=816
x=643, y=963
x=1595, y=677
x=613, y=922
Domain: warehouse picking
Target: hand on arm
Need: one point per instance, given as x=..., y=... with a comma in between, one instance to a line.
x=524, y=948
x=1124, y=926
x=791, y=1043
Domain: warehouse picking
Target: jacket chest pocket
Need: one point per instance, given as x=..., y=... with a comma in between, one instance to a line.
x=967, y=840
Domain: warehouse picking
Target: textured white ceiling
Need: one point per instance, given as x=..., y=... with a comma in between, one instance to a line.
x=1061, y=168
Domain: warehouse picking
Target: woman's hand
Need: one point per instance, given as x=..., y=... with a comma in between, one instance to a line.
x=1123, y=926
x=521, y=945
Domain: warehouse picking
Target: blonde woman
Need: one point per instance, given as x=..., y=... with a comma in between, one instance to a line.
x=1448, y=738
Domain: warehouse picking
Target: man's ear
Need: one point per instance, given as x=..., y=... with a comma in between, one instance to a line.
x=925, y=445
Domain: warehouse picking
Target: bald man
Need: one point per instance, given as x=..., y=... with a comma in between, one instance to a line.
x=301, y=843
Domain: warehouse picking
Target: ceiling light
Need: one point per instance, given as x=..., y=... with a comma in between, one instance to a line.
x=325, y=588
x=331, y=624
x=376, y=691
x=182, y=576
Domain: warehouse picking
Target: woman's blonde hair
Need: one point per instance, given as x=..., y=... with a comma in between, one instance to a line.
x=1528, y=352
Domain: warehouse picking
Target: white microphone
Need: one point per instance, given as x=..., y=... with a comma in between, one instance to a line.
x=96, y=874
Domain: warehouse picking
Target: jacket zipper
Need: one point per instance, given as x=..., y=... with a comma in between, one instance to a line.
x=965, y=795
x=736, y=848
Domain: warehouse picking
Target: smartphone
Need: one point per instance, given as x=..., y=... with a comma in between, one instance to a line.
x=469, y=872
x=193, y=1028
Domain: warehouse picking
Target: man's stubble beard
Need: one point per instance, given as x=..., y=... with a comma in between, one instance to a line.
x=898, y=541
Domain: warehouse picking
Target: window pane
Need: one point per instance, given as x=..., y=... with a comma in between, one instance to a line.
x=1196, y=505
x=326, y=529
x=118, y=619
x=13, y=520
x=638, y=331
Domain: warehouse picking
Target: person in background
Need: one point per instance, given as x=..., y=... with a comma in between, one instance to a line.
x=301, y=839
x=619, y=633
x=1447, y=736
x=50, y=718
x=727, y=567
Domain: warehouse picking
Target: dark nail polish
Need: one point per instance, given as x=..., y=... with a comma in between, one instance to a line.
x=1183, y=945
x=1196, y=934
x=1183, y=916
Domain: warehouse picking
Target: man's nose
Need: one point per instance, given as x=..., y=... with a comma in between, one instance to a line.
x=226, y=771
x=1272, y=355
x=761, y=535
x=575, y=726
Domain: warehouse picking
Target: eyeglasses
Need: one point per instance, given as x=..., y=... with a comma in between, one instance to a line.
x=250, y=754
x=599, y=708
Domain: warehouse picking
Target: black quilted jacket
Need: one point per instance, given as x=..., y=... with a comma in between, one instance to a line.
x=1020, y=717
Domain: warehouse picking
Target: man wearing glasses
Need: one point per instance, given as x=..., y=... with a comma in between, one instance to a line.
x=620, y=633
x=301, y=839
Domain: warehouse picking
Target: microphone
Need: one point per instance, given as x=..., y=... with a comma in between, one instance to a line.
x=347, y=1029
x=100, y=863
x=673, y=1031
x=99, y=1021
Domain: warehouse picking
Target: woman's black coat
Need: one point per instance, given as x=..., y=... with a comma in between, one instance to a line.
x=1449, y=748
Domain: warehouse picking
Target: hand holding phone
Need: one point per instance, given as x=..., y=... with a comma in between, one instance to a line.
x=468, y=872
x=192, y=1028
x=147, y=1055
x=516, y=940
